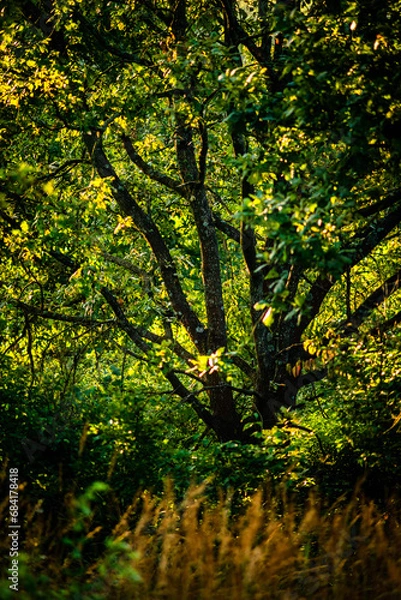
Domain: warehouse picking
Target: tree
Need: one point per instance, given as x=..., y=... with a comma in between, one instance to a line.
x=203, y=181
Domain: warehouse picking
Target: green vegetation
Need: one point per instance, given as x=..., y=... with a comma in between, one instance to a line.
x=200, y=208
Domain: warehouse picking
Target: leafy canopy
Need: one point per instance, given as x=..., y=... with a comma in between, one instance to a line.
x=207, y=194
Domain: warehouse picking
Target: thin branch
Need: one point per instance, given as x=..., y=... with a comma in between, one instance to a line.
x=14, y=342
x=245, y=391
x=190, y=375
x=391, y=285
x=123, y=321
x=230, y=231
x=365, y=240
x=126, y=264
x=292, y=425
x=348, y=293
x=178, y=388
x=148, y=228
x=150, y=171
x=205, y=388
x=101, y=38
x=28, y=331
x=47, y=314
x=238, y=35
x=179, y=350
x=139, y=334
x=357, y=249
x=57, y=171
x=387, y=202
x=243, y=365
x=126, y=350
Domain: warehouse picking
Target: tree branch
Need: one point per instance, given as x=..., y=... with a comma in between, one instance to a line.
x=179, y=350
x=151, y=233
x=64, y=259
x=243, y=365
x=101, y=38
x=47, y=314
x=230, y=231
x=60, y=170
x=178, y=388
x=139, y=334
x=357, y=249
x=387, y=202
x=147, y=169
x=391, y=285
x=123, y=322
x=177, y=186
x=135, y=336
x=128, y=266
x=238, y=34
x=371, y=235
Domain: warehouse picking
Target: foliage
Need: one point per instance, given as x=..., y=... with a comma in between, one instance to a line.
x=196, y=191
x=359, y=425
x=96, y=433
x=200, y=208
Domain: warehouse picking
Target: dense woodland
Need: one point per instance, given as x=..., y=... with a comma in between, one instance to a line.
x=200, y=208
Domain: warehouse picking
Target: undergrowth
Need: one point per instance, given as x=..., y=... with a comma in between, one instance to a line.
x=164, y=549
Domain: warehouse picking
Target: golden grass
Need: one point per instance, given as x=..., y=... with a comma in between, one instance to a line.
x=192, y=550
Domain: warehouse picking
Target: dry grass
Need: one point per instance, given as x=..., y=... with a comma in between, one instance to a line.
x=191, y=550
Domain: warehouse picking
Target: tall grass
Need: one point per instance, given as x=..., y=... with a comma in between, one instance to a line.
x=168, y=550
